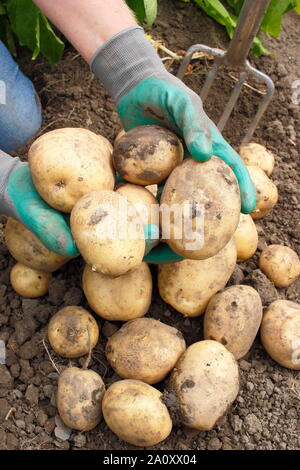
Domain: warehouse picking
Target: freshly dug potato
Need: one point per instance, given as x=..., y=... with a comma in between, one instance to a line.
x=257, y=155
x=246, y=237
x=205, y=382
x=281, y=264
x=280, y=333
x=233, y=317
x=189, y=285
x=266, y=192
x=108, y=232
x=207, y=197
x=135, y=412
x=145, y=349
x=119, y=298
x=26, y=248
x=67, y=163
x=143, y=200
x=72, y=332
x=79, y=398
x=29, y=282
x=147, y=154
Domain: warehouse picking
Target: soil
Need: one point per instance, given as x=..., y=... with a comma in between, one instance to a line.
x=266, y=412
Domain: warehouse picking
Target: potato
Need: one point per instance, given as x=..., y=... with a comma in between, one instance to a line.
x=146, y=155
x=108, y=232
x=233, y=318
x=67, y=163
x=26, y=248
x=246, y=237
x=79, y=398
x=205, y=382
x=72, y=332
x=135, y=412
x=266, y=192
x=207, y=198
x=281, y=264
x=143, y=200
x=119, y=298
x=188, y=285
x=144, y=349
x=257, y=155
x=29, y=282
x=119, y=135
x=280, y=333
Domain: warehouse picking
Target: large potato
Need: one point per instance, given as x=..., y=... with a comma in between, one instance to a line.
x=205, y=382
x=266, y=192
x=281, y=264
x=246, y=237
x=207, y=198
x=188, y=285
x=144, y=349
x=26, y=248
x=147, y=154
x=257, y=155
x=280, y=333
x=108, y=232
x=29, y=282
x=135, y=412
x=143, y=200
x=233, y=318
x=119, y=298
x=67, y=163
x=79, y=398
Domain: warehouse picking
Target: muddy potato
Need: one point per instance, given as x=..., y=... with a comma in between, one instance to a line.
x=26, y=248
x=280, y=264
x=143, y=200
x=280, y=333
x=233, y=317
x=67, y=163
x=146, y=155
x=208, y=197
x=29, y=282
x=79, y=398
x=257, y=155
x=119, y=298
x=205, y=382
x=72, y=332
x=266, y=192
x=134, y=411
x=188, y=285
x=246, y=237
x=108, y=232
x=144, y=349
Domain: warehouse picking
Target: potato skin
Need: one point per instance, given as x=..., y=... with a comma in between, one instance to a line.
x=281, y=264
x=72, y=331
x=119, y=298
x=280, y=333
x=213, y=187
x=144, y=349
x=188, y=285
x=135, y=412
x=205, y=383
x=255, y=154
x=146, y=155
x=266, y=192
x=67, y=163
x=233, y=317
x=79, y=398
x=29, y=282
x=246, y=237
x=143, y=200
x=26, y=248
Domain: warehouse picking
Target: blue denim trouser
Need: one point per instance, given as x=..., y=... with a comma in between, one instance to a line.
x=20, y=109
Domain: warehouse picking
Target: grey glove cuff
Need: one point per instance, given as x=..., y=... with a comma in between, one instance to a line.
x=7, y=165
x=125, y=60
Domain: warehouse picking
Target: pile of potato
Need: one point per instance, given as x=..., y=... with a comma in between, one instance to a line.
x=74, y=171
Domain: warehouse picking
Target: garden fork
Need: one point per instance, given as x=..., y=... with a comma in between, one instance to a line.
x=236, y=56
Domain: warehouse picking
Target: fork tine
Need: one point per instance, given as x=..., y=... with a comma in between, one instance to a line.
x=233, y=99
x=209, y=81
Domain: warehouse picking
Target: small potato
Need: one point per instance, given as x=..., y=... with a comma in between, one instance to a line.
x=257, y=155
x=144, y=349
x=119, y=298
x=26, y=248
x=188, y=285
x=233, y=318
x=146, y=155
x=135, y=412
x=205, y=382
x=281, y=264
x=246, y=237
x=29, y=282
x=72, y=332
x=79, y=398
x=143, y=200
x=280, y=333
x=266, y=192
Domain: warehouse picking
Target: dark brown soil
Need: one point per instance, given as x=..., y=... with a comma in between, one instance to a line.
x=266, y=412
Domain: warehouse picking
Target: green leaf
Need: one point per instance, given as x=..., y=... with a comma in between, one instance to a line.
x=216, y=10
x=273, y=16
x=297, y=7
x=151, y=11
x=51, y=46
x=138, y=7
